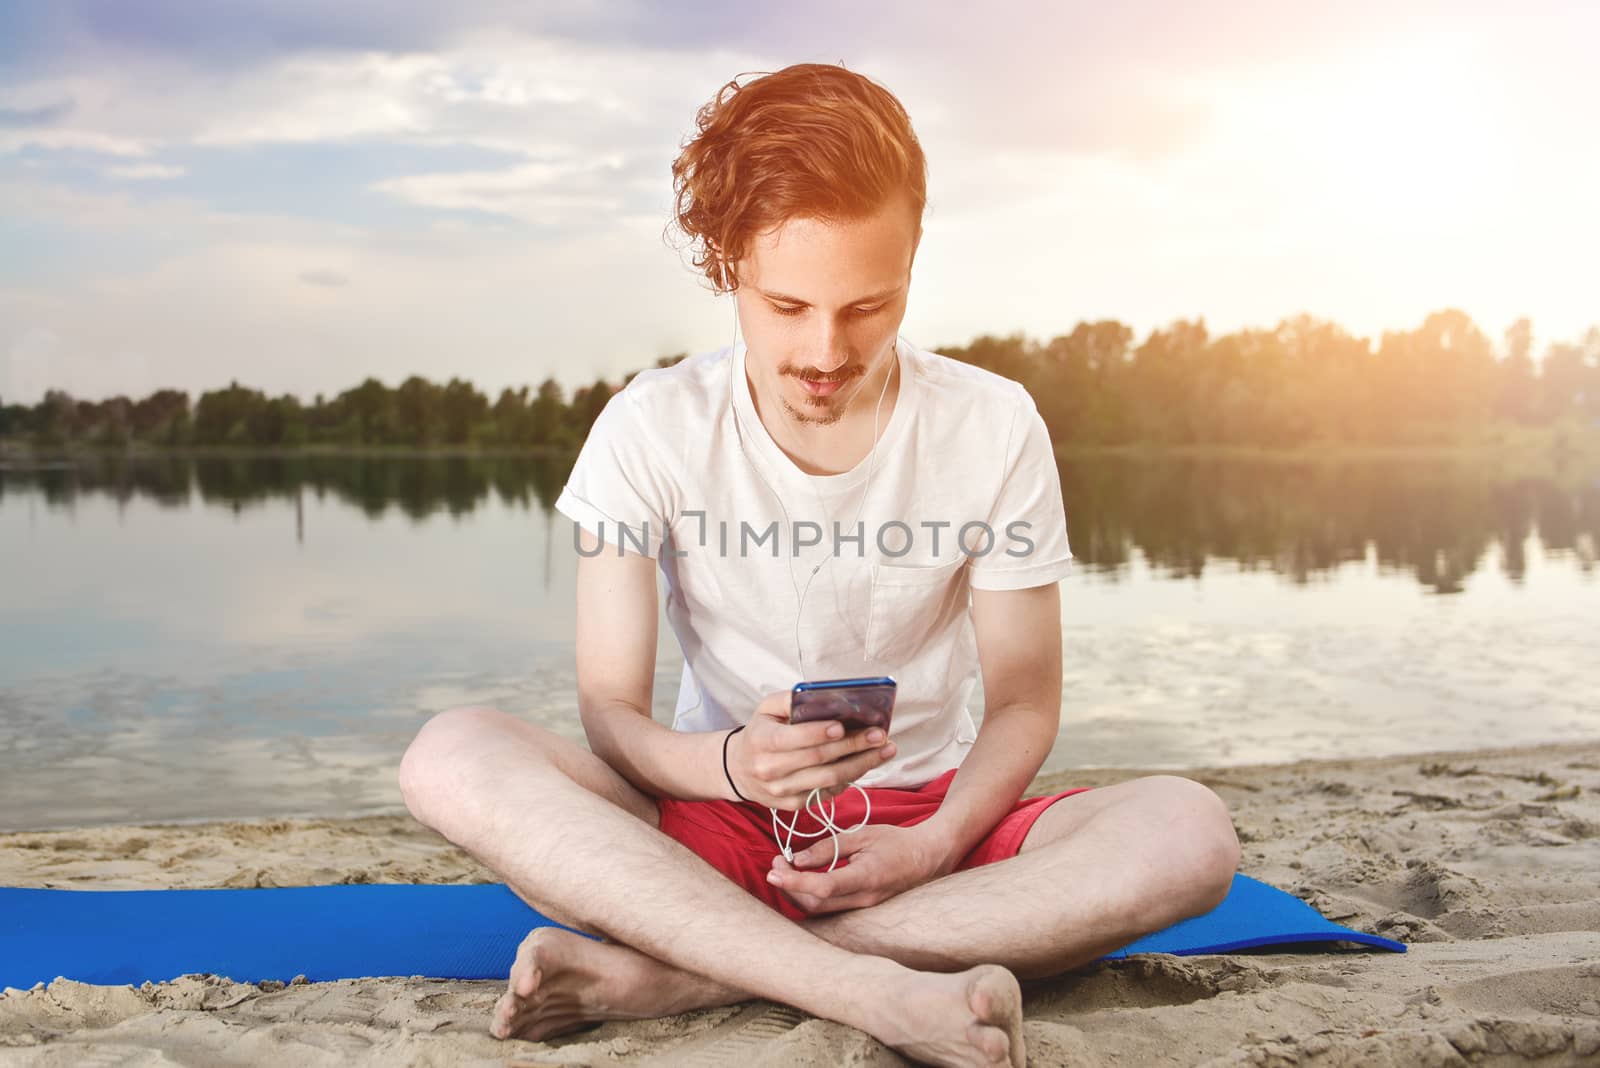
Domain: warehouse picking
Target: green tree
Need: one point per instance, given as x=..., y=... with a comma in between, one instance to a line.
x=417, y=405
x=366, y=414
x=587, y=403
x=547, y=416
x=1438, y=377
x=152, y=417
x=112, y=425
x=55, y=418
x=1517, y=391
x=224, y=416
x=1327, y=381
x=511, y=416
x=1563, y=381
x=461, y=407
x=1080, y=381
x=1163, y=381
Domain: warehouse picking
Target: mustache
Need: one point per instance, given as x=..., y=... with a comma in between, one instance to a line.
x=807, y=374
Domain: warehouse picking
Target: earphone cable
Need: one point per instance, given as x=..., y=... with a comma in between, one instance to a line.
x=812, y=806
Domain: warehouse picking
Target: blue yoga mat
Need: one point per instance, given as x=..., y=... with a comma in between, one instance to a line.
x=458, y=931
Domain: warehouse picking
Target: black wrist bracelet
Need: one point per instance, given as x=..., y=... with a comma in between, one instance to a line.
x=725, y=740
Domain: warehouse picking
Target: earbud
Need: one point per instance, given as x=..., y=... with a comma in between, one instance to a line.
x=813, y=803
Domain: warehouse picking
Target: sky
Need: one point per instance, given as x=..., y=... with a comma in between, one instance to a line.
x=297, y=195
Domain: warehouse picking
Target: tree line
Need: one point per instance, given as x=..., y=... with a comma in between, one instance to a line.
x=418, y=413
x=1305, y=381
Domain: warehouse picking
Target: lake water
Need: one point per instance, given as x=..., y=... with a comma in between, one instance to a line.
x=196, y=639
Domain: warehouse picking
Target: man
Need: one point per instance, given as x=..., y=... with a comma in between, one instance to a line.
x=807, y=534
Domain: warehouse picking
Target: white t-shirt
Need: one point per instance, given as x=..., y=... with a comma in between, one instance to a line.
x=671, y=470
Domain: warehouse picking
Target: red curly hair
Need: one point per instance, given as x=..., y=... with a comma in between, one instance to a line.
x=812, y=140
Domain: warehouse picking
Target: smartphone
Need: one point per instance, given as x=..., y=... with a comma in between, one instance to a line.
x=857, y=703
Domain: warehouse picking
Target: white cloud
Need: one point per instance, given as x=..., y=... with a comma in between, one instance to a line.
x=49, y=114
x=571, y=192
x=145, y=171
x=323, y=98
x=59, y=139
x=506, y=91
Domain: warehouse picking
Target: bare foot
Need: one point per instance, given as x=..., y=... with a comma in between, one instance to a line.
x=968, y=1019
x=562, y=981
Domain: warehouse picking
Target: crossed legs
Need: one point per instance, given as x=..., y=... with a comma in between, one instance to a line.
x=579, y=842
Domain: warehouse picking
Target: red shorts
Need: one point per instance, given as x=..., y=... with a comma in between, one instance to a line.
x=736, y=837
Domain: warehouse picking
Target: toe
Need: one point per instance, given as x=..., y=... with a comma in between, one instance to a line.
x=525, y=969
x=992, y=1044
x=505, y=1010
x=996, y=1000
x=518, y=1002
x=527, y=983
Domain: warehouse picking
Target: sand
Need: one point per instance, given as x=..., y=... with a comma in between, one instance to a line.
x=1486, y=863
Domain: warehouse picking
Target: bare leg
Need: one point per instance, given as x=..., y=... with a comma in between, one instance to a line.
x=1097, y=871
x=484, y=781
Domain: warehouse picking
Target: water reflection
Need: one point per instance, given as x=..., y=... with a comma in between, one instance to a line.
x=1436, y=520
x=253, y=636
x=417, y=486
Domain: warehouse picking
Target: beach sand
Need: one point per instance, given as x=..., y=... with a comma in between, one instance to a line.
x=1486, y=863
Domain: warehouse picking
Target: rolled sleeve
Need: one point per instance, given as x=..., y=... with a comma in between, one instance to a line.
x=620, y=489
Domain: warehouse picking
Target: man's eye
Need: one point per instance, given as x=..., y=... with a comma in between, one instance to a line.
x=783, y=309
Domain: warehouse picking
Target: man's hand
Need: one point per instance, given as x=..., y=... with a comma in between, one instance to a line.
x=777, y=763
x=885, y=860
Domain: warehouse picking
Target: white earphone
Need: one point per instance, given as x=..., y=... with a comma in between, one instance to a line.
x=813, y=804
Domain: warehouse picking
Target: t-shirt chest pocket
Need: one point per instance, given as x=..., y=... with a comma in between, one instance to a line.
x=910, y=603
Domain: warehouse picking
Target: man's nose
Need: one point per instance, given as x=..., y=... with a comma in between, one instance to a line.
x=833, y=350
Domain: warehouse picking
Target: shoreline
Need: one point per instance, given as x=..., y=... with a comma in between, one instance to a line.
x=1047, y=781
x=1561, y=443
x=1481, y=860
